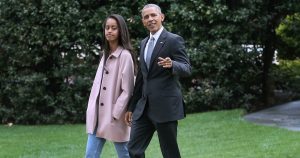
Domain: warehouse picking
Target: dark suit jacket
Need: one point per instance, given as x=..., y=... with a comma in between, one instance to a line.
x=160, y=86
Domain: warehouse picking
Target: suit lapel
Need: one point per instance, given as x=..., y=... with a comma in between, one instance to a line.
x=142, y=52
x=160, y=42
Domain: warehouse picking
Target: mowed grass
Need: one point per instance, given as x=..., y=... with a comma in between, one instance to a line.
x=222, y=134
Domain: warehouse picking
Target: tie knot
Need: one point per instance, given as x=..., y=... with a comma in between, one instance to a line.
x=152, y=39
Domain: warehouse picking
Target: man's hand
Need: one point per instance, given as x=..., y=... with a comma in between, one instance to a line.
x=165, y=62
x=128, y=118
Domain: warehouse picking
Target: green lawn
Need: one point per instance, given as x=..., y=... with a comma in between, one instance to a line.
x=222, y=134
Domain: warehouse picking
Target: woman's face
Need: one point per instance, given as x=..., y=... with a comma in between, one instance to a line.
x=111, y=30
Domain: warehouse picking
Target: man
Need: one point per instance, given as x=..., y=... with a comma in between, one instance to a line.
x=157, y=101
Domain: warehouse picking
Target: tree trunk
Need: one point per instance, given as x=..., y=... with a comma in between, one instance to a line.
x=268, y=53
x=268, y=84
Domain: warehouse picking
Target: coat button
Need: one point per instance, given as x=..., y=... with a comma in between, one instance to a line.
x=107, y=72
x=101, y=104
x=104, y=88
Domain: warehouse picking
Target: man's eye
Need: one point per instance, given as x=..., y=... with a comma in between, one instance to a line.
x=153, y=15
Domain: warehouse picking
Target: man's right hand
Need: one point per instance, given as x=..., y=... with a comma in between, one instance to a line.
x=128, y=118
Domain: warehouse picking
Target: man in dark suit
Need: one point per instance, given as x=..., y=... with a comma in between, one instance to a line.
x=157, y=101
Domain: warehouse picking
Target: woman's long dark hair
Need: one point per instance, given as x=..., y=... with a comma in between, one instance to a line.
x=124, y=38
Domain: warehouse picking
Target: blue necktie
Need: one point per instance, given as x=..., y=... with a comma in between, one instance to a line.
x=149, y=51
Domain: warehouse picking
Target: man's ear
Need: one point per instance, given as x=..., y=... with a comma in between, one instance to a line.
x=162, y=17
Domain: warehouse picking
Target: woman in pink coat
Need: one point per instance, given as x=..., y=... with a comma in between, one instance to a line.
x=111, y=91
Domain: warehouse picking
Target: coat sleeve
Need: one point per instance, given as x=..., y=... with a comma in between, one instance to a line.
x=127, y=84
x=181, y=63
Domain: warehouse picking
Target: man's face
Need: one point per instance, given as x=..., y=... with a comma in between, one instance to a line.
x=152, y=19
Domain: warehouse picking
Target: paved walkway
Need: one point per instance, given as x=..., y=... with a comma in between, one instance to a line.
x=284, y=116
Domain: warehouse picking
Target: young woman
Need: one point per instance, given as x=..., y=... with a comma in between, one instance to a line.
x=111, y=91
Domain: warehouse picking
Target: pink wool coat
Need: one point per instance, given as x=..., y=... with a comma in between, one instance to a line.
x=117, y=77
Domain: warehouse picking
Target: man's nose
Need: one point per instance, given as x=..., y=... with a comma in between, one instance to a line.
x=150, y=18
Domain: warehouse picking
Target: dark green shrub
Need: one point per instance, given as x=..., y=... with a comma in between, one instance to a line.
x=226, y=77
x=287, y=80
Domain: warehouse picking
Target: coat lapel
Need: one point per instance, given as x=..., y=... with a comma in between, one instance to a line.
x=142, y=52
x=160, y=42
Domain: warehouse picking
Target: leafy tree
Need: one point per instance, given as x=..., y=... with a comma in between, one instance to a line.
x=272, y=16
x=288, y=31
x=241, y=23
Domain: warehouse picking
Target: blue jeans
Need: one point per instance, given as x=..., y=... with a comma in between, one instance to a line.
x=95, y=145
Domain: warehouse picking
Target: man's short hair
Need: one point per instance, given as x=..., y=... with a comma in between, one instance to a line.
x=151, y=5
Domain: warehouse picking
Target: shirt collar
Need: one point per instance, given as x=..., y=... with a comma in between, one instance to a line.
x=157, y=34
x=117, y=52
